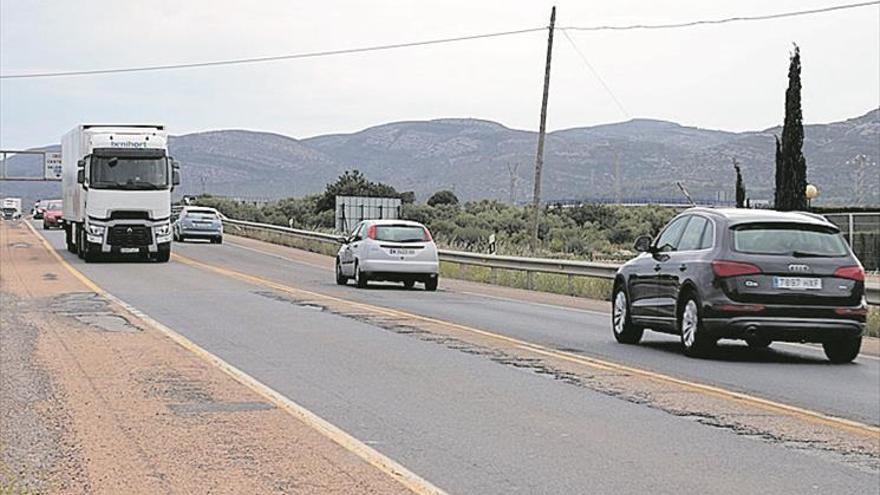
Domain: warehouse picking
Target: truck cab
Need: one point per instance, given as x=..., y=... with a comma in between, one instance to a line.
x=117, y=183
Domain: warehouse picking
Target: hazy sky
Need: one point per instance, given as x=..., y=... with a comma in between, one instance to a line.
x=729, y=76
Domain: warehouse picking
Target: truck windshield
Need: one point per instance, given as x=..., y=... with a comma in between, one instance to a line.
x=129, y=173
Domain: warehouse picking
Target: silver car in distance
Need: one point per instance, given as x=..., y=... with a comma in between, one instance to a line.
x=388, y=250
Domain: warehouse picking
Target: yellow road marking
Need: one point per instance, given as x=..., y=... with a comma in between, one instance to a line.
x=766, y=404
x=385, y=464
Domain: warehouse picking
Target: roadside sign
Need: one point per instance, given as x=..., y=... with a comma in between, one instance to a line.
x=52, y=166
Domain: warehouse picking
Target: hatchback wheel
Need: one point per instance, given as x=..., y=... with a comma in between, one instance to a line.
x=431, y=283
x=409, y=283
x=340, y=278
x=694, y=341
x=360, y=278
x=621, y=323
x=843, y=350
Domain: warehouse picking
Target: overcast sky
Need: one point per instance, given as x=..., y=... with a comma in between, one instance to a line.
x=730, y=77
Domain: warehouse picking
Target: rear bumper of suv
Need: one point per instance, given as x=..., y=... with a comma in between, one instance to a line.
x=783, y=329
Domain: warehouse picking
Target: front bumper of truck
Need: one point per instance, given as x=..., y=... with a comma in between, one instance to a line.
x=128, y=236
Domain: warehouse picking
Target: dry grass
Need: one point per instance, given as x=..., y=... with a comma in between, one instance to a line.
x=588, y=287
x=873, y=327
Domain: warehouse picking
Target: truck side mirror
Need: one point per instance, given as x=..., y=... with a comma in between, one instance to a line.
x=80, y=175
x=175, y=172
x=81, y=164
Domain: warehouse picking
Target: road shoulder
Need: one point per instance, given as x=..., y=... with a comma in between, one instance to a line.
x=96, y=400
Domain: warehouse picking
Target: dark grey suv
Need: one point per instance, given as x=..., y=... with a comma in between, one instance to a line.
x=756, y=275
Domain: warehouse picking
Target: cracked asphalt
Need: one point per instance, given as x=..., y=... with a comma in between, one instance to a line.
x=473, y=415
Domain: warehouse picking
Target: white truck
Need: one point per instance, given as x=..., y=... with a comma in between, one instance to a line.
x=117, y=182
x=11, y=208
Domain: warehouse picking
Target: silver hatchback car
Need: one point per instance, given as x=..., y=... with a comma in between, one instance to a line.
x=388, y=250
x=197, y=222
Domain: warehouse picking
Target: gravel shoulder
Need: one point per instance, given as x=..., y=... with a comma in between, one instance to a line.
x=94, y=400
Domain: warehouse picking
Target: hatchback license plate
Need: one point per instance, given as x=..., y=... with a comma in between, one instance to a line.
x=401, y=252
x=797, y=283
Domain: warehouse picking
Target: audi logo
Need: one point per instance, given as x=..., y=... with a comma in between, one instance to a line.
x=798, y=268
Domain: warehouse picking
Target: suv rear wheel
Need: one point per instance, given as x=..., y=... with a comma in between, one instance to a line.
x=694, y=341
x=843, y=350
x=621, y=323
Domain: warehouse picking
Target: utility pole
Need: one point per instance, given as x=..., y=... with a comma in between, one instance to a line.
x=539, y=159
x=511, y=170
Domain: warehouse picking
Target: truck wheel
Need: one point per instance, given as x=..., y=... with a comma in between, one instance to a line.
x=842, y=350
x=164, y=253
x=80, y=243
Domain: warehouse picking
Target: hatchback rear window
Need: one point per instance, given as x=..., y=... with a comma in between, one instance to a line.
x=401, y=233
x=788, y=239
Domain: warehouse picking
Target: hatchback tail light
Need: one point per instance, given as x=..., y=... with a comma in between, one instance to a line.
x=724, y=269
x=371, y=232
x=851, y=272
x=428, y=236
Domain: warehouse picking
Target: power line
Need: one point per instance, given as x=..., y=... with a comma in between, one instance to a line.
x=720, y=21
x=596, y=74
x=326, y=53
x=275, y=58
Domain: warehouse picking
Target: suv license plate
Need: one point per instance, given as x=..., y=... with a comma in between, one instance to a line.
x=797, y=283
x=401, y=252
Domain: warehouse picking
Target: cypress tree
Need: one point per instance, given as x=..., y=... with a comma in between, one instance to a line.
x=740, y=186
x=791, y=166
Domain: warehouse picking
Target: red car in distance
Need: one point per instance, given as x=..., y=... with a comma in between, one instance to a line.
x=52, y=214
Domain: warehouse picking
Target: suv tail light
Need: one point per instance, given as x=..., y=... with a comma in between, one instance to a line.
x=371, y=232
x=724, y=269
x=851, y=272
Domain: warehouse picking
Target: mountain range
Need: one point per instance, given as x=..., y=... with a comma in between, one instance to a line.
x=640, y=159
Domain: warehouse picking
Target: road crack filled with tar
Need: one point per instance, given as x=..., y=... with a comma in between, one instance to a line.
x=741, y=420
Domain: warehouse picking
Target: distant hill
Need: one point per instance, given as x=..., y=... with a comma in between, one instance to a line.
x=640, y=158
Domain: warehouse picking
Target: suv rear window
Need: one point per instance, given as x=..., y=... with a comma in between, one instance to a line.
x=401, y=233
x=788, y=239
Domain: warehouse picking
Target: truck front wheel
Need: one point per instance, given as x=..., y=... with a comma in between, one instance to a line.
x=87, y=250
x=164, y=253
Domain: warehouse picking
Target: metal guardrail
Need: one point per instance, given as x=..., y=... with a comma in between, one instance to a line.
x=528, y=265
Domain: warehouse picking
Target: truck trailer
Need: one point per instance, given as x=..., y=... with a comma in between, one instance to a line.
x=116, y=183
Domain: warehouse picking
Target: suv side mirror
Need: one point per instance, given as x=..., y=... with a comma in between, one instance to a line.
x=643, y=244
x=81, y=176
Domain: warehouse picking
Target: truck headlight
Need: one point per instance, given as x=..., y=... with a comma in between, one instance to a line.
x=95, y=229
x=163, y=230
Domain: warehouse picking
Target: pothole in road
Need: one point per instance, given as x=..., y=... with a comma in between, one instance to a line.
x=90, y=309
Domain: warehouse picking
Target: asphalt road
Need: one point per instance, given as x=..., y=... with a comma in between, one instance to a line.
x=792, y=374
x=472, y=425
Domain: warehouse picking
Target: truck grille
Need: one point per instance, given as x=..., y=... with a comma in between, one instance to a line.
x=130, y=236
